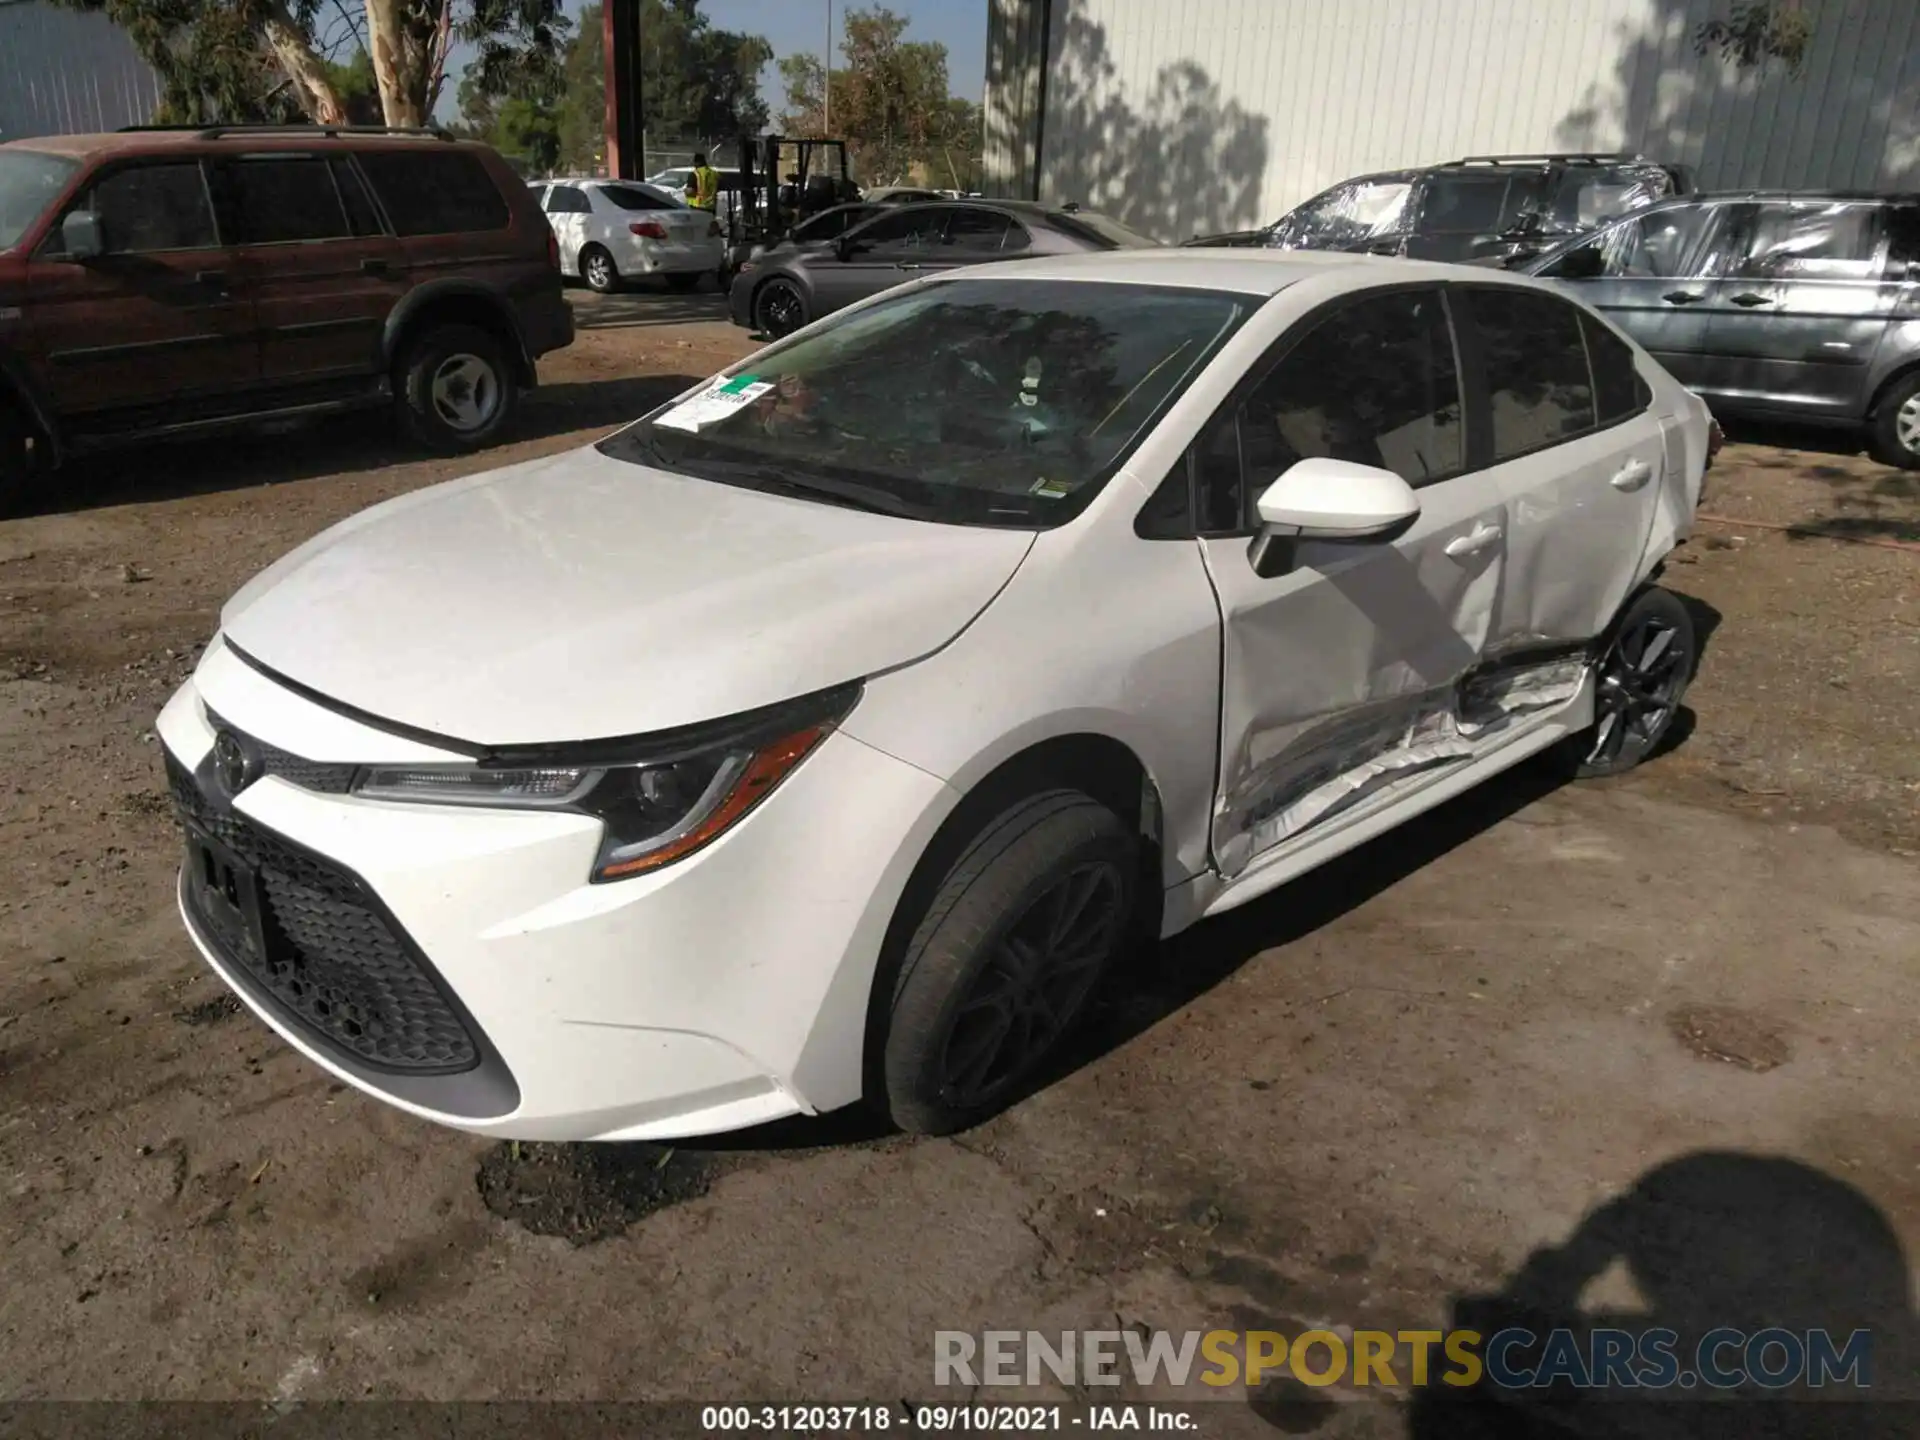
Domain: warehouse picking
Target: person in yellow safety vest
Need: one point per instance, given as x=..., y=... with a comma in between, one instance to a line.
x=706, y=185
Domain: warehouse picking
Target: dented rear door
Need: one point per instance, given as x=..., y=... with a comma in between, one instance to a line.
x=1343, y=677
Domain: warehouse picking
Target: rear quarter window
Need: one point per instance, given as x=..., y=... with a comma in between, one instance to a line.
x=435, y=192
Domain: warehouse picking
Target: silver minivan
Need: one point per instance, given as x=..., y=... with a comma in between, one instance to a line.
x=1801, y=306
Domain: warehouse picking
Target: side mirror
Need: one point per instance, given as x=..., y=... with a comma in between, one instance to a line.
x=1321, y=499
x=82, y=235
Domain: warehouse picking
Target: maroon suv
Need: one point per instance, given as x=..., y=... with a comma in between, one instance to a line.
x=163, y=281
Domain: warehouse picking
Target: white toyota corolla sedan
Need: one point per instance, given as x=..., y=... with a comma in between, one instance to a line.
x=823, y=735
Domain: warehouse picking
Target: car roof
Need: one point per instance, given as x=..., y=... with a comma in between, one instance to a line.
x=215, y=138
x=1709, y=197
x=1249, y=272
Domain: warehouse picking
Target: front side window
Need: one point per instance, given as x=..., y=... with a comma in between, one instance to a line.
x=1374, y=383
x=146, y=209
x=1817, y=241
x=282, y=201
x=833, y=223
x=29, y=181
x=1539, y=388
x=974, y=401
x=435, y=192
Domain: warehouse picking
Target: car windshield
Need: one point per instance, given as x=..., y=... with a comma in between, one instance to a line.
x=973, y=401
x=1352, y=213
x=29, y=181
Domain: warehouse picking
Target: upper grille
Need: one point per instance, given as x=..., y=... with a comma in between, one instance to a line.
x=331, y=958
x=326, y=777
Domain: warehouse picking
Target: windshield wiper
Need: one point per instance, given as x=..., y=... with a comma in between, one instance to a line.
x=765, y=477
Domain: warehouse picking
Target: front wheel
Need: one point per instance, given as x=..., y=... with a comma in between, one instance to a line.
x=1894, y=435
x=1643, y=672
x=1001, y=966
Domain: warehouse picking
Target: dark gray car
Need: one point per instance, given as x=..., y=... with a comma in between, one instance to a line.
x=1802, y=306
x=791, y=284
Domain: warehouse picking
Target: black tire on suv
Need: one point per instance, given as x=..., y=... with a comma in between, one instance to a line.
x=454, y=387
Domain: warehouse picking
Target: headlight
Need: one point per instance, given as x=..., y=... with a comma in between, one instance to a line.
x=659, y=798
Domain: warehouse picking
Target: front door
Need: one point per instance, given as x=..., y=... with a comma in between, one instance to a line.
x=162, y=318
x=899, y=246
x=324, y=274
x=1343, y=676
x=1794, y=324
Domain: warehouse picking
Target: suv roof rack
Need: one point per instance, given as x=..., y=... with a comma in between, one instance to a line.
x=220, y=132
x=1578, y=158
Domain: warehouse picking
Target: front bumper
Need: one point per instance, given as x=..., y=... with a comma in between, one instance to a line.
x=723, y=991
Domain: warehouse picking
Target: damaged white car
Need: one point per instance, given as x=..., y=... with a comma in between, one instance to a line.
x=824, y=735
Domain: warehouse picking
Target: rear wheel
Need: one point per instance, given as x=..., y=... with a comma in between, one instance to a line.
x=456, y=388
x=1001, y=965
x=1643, y=673
x=598, y=270
x=1894, y=435
x=779, y=308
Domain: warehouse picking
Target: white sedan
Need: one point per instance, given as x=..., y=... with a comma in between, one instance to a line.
x=824, y=735
x=614, y=230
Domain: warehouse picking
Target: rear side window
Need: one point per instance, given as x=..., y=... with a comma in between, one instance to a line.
x=353, y=195
x=435, y=192
x=283, y=201
x=1538, y=386
x=1618, y=390
x=980, y=232
x=1813, y=242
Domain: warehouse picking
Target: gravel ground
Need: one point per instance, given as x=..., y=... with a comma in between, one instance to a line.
x=1385, y=1097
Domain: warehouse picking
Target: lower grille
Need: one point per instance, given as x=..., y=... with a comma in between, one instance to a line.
x=325, y=951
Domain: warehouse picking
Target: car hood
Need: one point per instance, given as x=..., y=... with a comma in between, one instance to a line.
x=582, y=597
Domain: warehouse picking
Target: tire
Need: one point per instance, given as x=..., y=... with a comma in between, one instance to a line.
x=1893, y=435
x=1645, y=666
x=598, y=270
x=779, y=308
x=684, y=281
x=991, y=958
x=455, y=388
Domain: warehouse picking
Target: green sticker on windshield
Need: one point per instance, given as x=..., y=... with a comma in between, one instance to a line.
x=737, y=384
x=1052, y=489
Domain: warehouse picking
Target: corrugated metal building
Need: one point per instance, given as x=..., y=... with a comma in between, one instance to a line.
x=1186, y=116
x=65, y=72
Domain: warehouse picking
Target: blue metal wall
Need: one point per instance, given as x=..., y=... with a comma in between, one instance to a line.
x=63, y=72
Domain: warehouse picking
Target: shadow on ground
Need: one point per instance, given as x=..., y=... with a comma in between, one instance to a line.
x=1866, y=499
x=626, y=309
x=354, y=443
x=1718, y=1248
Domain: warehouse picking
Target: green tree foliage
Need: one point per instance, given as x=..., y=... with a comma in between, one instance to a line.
x=890, y=103
x=697, y=83
x=1756, y=33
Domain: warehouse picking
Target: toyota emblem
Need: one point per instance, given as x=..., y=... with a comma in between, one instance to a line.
x=232, y=766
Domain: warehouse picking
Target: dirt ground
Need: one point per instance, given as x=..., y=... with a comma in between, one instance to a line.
x=1386, y=1097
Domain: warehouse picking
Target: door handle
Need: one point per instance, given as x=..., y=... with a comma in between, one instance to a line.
x=1632, y=475
x=1474, y=541
x=374, y=267
x=1749, y=301
x=1680, y=297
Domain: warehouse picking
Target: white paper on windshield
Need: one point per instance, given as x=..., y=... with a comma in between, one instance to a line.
x=720, y=399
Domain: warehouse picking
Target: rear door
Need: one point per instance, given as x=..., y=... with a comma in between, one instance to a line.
x=1577, y=452
x=162, y=317
x=974, y=236
x=571, y=215
x=1342, y=677
x=1651, y=275
x=884, y=252
x=324, y=273
x=1795, y=322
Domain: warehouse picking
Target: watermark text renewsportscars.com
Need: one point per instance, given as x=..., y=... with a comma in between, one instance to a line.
x=1515, y=1358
